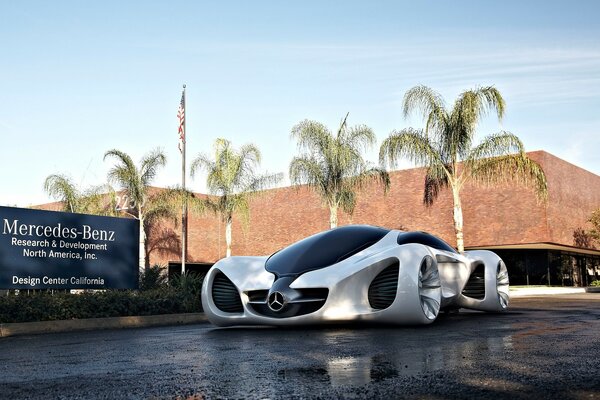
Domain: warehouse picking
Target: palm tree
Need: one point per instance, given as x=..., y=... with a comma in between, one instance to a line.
x=135, y=182
x=61, y=188
x=232, y=178
x=445, y=147
x=333, y=164
x=97, y=200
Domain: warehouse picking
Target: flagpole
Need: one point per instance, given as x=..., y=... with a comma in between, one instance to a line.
x=184, y=210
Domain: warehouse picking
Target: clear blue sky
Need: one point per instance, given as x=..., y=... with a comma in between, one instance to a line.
x=79, y=78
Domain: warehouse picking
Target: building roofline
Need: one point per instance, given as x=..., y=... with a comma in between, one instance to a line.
x=545, y=153
x=542, y=153
x=279, y=187
x=537, y=246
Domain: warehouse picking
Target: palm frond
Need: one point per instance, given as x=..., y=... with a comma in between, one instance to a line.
x=125, y=174
x=156, y=211
x=411, y=144
x=200, y=205
x=496, y=145
x=150, y=164
x=262, y=182
x=434, y=183
x=214, y=177
x=513, y=167
x=232, y=177
x=312, y=136
x=469, y=108
x=135, y=182
x=99, y=200
x=60, y=187
x=358, y=138
x=368, y=175
x=346, y=199
x=307, y=170
x=176, y=197
x=201, y=162
x=430, y=104
x=245, y=162
x=474, y=104
x=239, y=204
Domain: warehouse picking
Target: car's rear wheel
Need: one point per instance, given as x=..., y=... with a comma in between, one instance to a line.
x=502, y=285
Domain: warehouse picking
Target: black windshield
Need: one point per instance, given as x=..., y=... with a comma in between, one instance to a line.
x=323, y=249
x=424, y=238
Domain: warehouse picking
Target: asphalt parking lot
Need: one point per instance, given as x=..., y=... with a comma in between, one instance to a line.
x=544, y=347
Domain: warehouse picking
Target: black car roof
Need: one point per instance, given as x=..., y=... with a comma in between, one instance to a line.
x=332, y=246
x=324, y=249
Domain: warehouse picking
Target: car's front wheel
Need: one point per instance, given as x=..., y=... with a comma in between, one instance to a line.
x=430, y=290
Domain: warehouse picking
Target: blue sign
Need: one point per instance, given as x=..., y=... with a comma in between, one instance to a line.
x=58, y=250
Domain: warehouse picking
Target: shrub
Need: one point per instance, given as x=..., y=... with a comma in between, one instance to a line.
x=190, y=287
x=182, y=296
x=153, y=277
x=595, y=283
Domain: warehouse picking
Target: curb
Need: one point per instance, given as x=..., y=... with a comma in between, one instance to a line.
x=544, y=291
x=72, y=325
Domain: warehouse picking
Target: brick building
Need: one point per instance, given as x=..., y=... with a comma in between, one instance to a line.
x=534, y=238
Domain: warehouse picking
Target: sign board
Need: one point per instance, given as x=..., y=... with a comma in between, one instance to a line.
x=59, y=250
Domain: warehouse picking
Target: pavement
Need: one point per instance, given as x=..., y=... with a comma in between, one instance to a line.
x=32, y=328
x=543, y=347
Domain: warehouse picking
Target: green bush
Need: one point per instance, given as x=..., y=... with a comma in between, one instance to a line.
x=595, y=283
x=181, y=296
x=190, y=288
x=153, y=277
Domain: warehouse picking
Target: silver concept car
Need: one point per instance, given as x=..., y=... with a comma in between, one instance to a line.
x=354, y=273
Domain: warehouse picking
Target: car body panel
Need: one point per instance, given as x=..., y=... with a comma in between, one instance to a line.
x=347, y=284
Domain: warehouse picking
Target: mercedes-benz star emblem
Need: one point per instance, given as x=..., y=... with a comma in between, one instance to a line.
x=276, y=301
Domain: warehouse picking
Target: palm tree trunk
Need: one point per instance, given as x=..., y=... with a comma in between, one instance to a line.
x=142, y=265
x=333, y=217
x=228, y=237
x=458, y=219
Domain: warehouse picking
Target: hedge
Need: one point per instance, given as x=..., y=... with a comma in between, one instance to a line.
x=182, y=296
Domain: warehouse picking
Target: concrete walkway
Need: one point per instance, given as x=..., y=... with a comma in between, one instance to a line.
x=543, y=290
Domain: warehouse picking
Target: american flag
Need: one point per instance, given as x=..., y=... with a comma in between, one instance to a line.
x=181, y=118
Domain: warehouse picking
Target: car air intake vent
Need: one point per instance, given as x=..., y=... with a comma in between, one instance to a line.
x=225, y=295
x=382, y=291
x=258, y=296
x=475, y=287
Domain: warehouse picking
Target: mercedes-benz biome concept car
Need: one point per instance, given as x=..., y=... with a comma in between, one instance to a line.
x=354, y=273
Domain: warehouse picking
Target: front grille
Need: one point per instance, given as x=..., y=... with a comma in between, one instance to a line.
x=225, y=295
x=384, y=287
x=309, y=301
x=475, y=287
